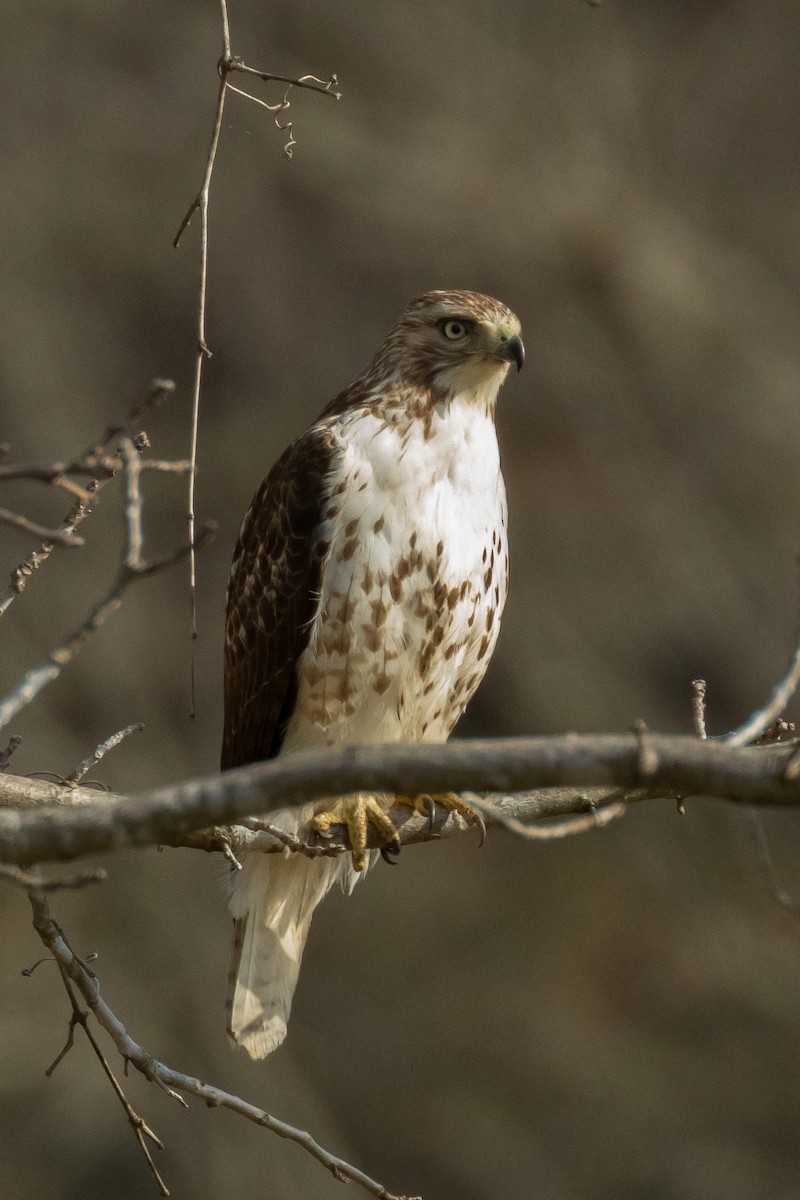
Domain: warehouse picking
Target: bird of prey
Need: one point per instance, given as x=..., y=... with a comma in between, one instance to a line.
x=364, y=604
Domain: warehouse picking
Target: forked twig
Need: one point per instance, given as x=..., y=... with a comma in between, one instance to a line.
x=132, y=567
x=56, y=536
x=142, y=1131
x=227, y=63
x=101, y=463
x=170, y=1080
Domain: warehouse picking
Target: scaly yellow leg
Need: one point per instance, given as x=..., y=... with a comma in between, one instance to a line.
x=354, y=812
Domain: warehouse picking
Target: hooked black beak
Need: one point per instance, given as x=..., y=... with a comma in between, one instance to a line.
x=513, y=351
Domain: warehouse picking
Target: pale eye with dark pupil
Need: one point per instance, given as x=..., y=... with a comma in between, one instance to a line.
x=454, y=329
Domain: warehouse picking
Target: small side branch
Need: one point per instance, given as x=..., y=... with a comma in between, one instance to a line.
x=101, y=463
x=598, y=817
x=28, y=879
x=102, y=750
x=56, y=536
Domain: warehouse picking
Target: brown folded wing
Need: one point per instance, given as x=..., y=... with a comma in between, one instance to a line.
x=273, y=598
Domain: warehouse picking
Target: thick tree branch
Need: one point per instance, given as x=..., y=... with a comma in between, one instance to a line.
x=78, y=822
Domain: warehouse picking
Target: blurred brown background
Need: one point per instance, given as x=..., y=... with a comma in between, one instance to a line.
x=613, y=1017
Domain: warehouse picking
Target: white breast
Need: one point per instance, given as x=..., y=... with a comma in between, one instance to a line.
x=414, y=582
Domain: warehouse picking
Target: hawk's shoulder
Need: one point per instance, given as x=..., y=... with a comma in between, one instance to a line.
x=273, y=596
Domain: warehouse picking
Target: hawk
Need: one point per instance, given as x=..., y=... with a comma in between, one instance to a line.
x=364, y=604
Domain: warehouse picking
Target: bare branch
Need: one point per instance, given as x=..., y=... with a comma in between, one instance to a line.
x=27, y=879
x=133, y=503
x=22, y=573
x=547, y=831
x=290, y=841
x=312, y=82
x=79, y=1016
x=96, y=462
x=39, y=677
x=102, y=750
x=16, y=521
x=200, y=204
x=227, y=63
x=675, y=766
x=761, y=720
x=54, y=474
x=169, y=1079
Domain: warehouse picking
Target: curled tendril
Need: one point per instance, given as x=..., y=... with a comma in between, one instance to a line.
x=305, y=81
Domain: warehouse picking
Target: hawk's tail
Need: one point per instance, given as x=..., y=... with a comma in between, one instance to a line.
x=272, y=902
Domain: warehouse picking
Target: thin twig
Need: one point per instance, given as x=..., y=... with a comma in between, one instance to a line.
x=22, y=573
x=56, y=536
x=142, y=1131
x=27, y=879
x=226, y=64
x=102, y=750
x=311, y=82
x=761, y=720
x=97, y=463
x=133, y=503
x=55, y=474
x=173, y=1080
x=272, y=108
x=39, y=677
x=290, y=841
x=200, y=204
x=549, y=830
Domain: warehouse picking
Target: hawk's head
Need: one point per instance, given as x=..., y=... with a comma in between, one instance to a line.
x=445, y=345
x=454, y=342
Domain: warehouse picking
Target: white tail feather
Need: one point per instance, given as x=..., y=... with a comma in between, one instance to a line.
x=272, y=901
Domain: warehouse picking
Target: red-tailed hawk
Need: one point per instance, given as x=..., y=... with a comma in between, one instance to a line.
x=364, y=604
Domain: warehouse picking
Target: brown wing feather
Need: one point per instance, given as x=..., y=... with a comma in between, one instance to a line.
x=272, y=598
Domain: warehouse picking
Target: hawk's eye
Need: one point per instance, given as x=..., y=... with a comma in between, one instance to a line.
x=455, y=329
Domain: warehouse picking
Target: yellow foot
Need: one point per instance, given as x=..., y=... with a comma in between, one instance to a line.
x=354, y=812
x=426, y=804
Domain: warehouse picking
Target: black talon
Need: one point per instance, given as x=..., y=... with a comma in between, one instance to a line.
x=392, y=849
x=431, y=807
x=481, y=827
